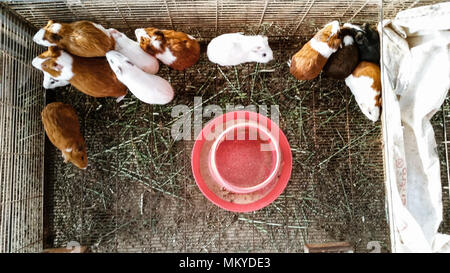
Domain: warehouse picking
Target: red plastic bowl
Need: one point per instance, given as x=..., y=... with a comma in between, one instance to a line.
x=214, y=189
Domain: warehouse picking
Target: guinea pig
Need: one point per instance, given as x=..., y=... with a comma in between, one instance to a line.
x=63, y=129
x=176, y=49
x=344, y=60
x=92, y=76
x=82, y=38
x=50, y=83
x=236, y=48
x=146, y=87
x=365, y=84
x=307, y=63
x=134, y=52
x=368, y=41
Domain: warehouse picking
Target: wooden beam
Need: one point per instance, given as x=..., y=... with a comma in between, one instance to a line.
x=338, y=247
x=82, y=249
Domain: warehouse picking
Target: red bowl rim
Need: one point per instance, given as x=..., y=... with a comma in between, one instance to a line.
x=281, y=184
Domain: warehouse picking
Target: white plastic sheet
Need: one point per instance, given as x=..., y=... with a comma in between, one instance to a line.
x=415, y=81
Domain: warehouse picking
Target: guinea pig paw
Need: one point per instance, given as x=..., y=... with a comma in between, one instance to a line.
x=119, y=99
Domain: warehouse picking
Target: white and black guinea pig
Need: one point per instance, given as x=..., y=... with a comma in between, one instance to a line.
x=368, y=41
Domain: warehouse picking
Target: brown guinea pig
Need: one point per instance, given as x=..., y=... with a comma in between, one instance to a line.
x=92, y=76
x=176, y=49
x=307, y=63
x=82, y=38
x=61, y=125
x=344, y=60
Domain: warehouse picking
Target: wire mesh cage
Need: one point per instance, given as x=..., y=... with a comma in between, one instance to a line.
x=138, y=194
x=21, y=143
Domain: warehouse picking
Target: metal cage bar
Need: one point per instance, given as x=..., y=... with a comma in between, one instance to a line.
x=22, y=138
x=298, y=17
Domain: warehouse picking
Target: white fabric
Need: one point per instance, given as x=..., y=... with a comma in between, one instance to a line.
x=415, y=81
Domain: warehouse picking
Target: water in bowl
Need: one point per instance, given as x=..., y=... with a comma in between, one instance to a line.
x=241, y=160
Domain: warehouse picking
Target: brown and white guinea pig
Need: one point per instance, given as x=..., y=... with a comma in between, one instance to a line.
x=63, y=129
x=368, y=41
x=176, y=49
x=92, y=76
x=131, y=49
x=307, y=63
x=345, y=59
x=82, y=38
x=365, y=84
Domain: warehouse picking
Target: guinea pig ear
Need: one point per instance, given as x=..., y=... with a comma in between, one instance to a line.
x=80, y=147
x=378, y=100
x=56, y=66
x=359, y=38
x=53, y=49
x=366, y=27
x=257, y=48
x=53, y=37
x=50, y=22
x=113, y=31
x=160, y=34
x=148, y=49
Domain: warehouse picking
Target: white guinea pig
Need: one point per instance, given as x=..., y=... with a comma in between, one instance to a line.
x=146, y=87
x=134, y=52
x=235, y=48
x=50, y=83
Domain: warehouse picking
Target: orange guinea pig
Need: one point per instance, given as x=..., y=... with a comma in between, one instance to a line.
x=307, y=63
x=92, y=76
x=176, y=49
x=82, y=38
x=61, y=125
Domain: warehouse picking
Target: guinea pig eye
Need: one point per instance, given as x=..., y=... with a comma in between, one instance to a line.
x=130, y=63
x=264, y=54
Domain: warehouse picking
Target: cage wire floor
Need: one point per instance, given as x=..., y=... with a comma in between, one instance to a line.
x=138, y=193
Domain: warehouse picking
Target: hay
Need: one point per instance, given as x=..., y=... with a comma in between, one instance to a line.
x=138, y=193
